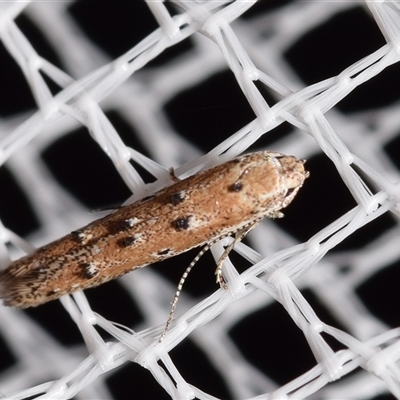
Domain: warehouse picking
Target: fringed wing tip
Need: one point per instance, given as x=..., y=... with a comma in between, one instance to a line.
x=11, y=290
x=4, y=288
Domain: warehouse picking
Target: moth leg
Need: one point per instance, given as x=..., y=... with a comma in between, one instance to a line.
x=105, y=208
x=276, y=214
x=173, y=176
x=239, y=235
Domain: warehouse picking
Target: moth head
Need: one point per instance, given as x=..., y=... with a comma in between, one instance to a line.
x=294, y=174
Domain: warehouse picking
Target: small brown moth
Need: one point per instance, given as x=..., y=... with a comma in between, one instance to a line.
x=230, y=198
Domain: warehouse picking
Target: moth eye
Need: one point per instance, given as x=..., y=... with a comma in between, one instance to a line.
x=236, y=187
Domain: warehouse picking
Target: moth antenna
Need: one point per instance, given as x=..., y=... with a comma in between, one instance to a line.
x=179, y=289
x=239, y=235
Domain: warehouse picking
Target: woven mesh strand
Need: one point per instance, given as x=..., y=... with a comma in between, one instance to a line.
x=99, y=99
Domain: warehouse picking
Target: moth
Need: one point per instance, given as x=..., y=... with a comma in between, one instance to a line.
x=229, y=199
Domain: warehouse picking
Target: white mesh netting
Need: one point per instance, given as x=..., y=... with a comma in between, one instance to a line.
x=314, y=310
